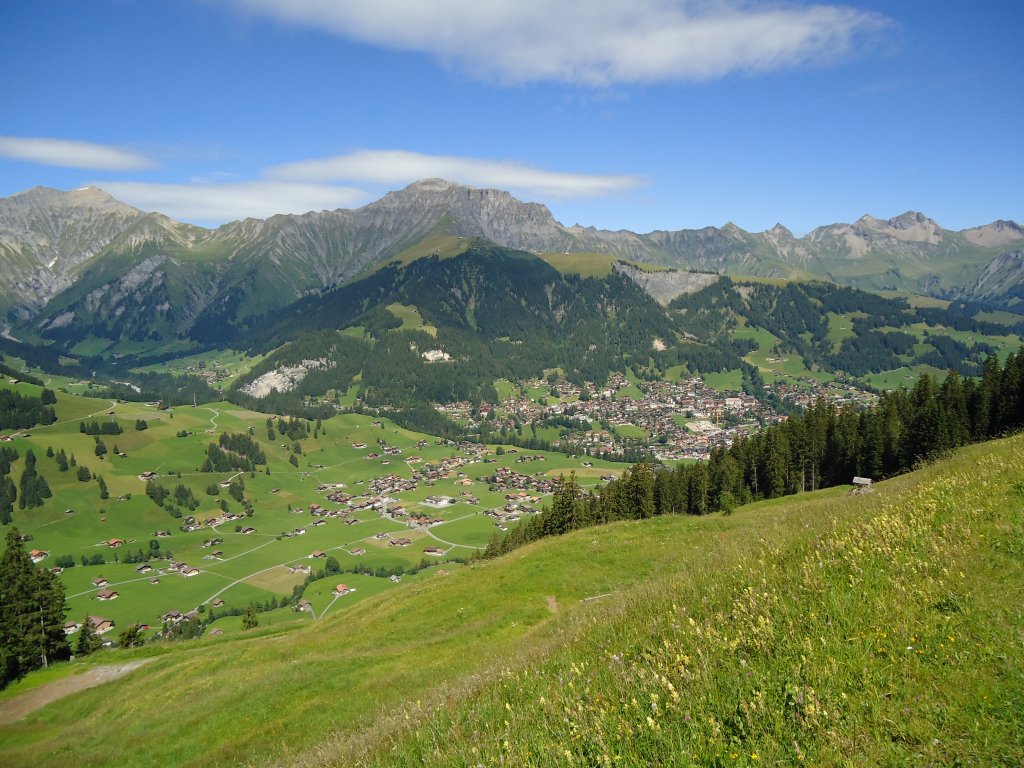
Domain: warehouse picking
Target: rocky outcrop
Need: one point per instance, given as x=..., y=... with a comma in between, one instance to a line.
x=663, y=285
x=283, y=379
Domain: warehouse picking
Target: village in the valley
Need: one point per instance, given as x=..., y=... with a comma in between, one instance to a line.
x=672, y=420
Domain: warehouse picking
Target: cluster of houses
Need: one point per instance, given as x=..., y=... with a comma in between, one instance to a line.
x=710, y=418
x=512, y=511
x=99, y=625
x=506, y=479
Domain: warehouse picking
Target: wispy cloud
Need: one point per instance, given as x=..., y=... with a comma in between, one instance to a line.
x=217, y=203
x=394, y=166
x=73, y=154
x=597, y=42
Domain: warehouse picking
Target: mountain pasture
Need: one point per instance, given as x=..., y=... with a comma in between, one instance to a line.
x=239, y=567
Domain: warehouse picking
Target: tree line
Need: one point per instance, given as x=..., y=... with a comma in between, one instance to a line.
x=823, y=447
x=23, y=411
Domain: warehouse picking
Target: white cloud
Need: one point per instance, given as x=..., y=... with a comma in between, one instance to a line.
x=593, y=42
x=216, y=203
x=73, y=154
x=395, y=166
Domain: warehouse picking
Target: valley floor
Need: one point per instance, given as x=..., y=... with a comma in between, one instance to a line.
x=824, y=629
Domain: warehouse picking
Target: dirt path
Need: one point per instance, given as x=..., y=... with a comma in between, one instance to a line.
x=28, y=702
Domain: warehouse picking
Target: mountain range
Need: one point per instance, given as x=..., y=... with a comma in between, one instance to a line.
x=81, y=263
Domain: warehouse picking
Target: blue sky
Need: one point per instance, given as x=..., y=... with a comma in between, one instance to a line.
x=635, y=114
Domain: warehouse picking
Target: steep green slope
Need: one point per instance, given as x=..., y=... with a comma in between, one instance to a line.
x=496, y=312
x=864, y=631
x=830, y=630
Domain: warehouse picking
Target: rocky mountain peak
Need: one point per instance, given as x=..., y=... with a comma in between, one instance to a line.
x=908, y=227
x=996, y=234
x=779, y=232
x=911, y=219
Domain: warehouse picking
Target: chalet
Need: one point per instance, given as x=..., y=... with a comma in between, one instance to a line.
x=341, y=589
x=439, y=501
x=107, y=594
x=248, y=529
x=100, y=625
x=147, y=476
x=218, y=603
x=402, y=542
x=216, y=632
x=318, y=554
x=162, y=534
x=70, y=627
x=275, y=490
x=144, y=568
x=305, y=605
x=114, y=543
x=154, y=581
x=300, y=568
x=188, y=571
x=358, y=551
x=99, y=581
x=38, y=555
x=172, y=616
x=436, y=551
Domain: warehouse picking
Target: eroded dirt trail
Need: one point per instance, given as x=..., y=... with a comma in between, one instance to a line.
x=28, y=702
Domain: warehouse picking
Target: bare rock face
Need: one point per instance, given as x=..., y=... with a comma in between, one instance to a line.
x=996, y=234
x=1003, y=276
x=665, y=285
x=282, y=379
x=46, y=233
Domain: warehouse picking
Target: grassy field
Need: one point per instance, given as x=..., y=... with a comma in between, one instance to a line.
x=583, y=264
x=825, y=629
x=219, y=367
x=729, y=381
x=248, y=567
x=411, y=318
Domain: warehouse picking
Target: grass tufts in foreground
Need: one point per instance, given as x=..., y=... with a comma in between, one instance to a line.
x=890, y=635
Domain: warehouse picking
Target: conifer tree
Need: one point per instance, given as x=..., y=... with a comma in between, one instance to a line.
x=88, y=641
x=32, y=612
x=250, y=620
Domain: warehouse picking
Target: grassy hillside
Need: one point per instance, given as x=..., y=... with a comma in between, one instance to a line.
x=253, y=567
x=878, y=629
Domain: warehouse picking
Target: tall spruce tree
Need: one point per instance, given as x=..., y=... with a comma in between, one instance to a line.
x=32, y=610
